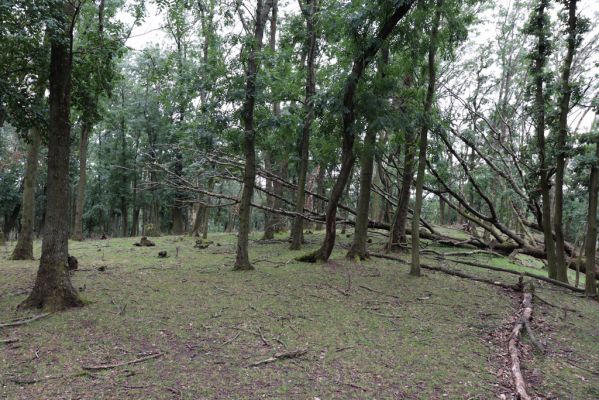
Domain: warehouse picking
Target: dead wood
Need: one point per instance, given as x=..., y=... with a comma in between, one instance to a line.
x=120, y=364
x=450, y=272
x=23, y=321
x=144, y=242
x=31, y=381
x=525, y=315
x=509, y=271
x=9, y=340
x=280, y=356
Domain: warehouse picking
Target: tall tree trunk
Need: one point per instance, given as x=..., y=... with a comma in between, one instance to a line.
x=24, y=248
x=80, y=202
x=269, y=161
x=398, y=236
x=242, y=261
x=442, y=218
x=423, y=142
x=297, y=226
x=591, y=237
x=177, y=210
x=269, y=231
x=358, y=247
x=278, y=221
x=53, y=289
x=538, y=69
x=348, y=116
x=564, y=108
x=319, y=205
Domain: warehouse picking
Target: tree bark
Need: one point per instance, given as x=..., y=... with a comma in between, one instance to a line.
x=242, y=261
x=24, y=248
x=398, y=235
x=53, y=289
x=358, y=247
x=269, y=160
x=591, y=237
x=348, y=117
x=540, y=57
x=564, y=109
x=297, y=226
x=428, y=103
x=269, y=231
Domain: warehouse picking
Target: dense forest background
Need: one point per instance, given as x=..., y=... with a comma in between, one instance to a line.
x=276, y=116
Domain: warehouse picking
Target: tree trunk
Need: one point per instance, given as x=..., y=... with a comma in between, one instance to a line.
x=269, y=231
x=242, y=261
x=177, y=210
x=53, y=289
x=297, y=226
x=348, y=116
x=80, y=202
x=442, y=218
x=428, y=103
x=278, y=221
x=358, y=247
x=591, y=238
x=564, y=108
x=24, y=248
x=319, y=205
x=397, y=236
x=540, y=57
x=270, y=219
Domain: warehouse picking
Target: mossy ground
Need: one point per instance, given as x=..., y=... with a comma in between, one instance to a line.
x=370, y=329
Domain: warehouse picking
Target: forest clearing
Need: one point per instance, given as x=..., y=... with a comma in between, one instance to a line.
x=368, y=329
x=299, y=199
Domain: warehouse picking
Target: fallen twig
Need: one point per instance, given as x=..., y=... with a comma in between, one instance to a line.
x=226, y=342
x=280, y=356
x=343, y=292
x=120, y=364
x=378, y=291
x=9, y=340
x=23, y=321
x=31, y=381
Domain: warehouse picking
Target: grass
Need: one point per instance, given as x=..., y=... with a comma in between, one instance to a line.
x=370, y=329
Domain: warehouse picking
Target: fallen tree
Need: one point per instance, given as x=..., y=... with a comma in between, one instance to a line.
x=521, y=322
x=505, y=242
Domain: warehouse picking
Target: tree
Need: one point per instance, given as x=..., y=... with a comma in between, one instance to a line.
x=53, y=289
x=423, y=139
x=591, y=235
x=24, y=247
x=362, y=60
x=242, y=260
x=358, y=247
x=564, y=109
x=309, y=9
x=538, y=28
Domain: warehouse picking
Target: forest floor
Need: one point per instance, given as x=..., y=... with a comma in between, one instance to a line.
x=370, y=331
